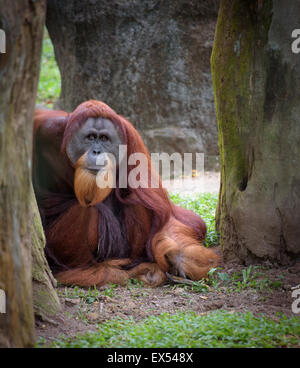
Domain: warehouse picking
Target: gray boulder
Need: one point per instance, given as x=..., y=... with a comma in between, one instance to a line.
x=149, y=60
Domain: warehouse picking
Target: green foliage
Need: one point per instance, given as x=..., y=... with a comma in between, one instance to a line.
x=110, y=290
x=249, y=277
x=216, y=329
x=88, y=296
x=49, y=83
x=204, y=204
x=134, y=283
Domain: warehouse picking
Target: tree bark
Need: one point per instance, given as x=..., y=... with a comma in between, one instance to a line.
x=256, y=82
x=22, y=22
x=148, y=60
x=45, y=300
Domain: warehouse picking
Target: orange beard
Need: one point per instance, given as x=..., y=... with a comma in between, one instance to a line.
x=86, y=189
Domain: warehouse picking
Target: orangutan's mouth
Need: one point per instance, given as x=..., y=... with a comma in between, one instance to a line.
x=96, y=169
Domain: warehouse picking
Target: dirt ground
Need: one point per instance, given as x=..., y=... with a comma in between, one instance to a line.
x=208, y=181
x=78, y=316
x=267, y=290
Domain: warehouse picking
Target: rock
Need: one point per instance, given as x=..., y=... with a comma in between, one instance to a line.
x=148, y=59
x=295, y=268
x=131, y=305
x=93, y=316
x=71, y=301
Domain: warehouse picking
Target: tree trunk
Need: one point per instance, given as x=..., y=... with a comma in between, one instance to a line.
x=45, y=300
x=256, y=82
x=22, y=22
x=148, y=60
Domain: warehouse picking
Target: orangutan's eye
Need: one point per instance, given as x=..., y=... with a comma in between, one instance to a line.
x=91, y=137
x=104, y=138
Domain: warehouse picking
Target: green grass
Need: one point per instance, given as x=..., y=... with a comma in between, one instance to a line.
x=49, y=83
x=182, y=330
x=203, y=204
x=249, y=278
x=89, y=295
